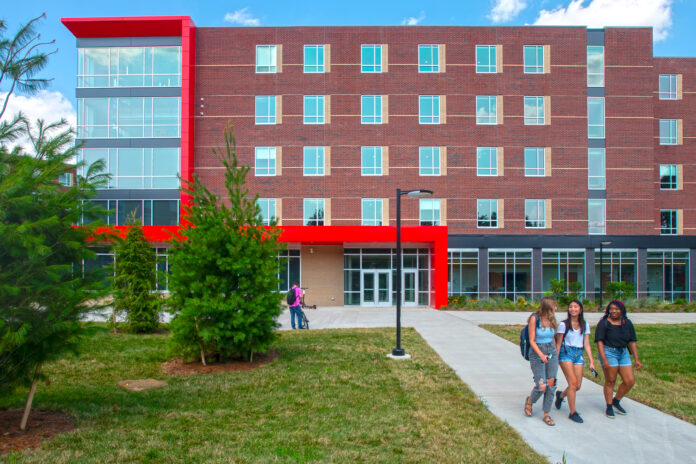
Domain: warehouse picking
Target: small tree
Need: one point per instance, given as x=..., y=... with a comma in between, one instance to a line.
x=134, y=280
x=224, y=280
x=620, y=290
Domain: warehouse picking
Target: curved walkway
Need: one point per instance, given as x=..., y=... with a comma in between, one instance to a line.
x=495, y=371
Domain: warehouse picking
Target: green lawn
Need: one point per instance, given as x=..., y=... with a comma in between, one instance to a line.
x=331, y=396
x=668, y=353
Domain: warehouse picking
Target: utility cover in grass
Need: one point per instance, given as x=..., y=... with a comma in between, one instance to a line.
x=141, y=384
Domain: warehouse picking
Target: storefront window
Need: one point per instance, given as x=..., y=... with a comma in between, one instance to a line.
x=510, y=274
x=618, y=266
x=668, y=274
x=463, y=273
x=565, y=265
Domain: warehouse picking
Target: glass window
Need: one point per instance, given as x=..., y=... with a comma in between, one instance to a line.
x=288, y=269
x=129, y=209
x=428, y=58
x=486, y=161
x=164, y=212
x=371, y=58
x=668, y=131
x=535, y=214
x=510, y=274
x=487, y=213
x=595, y=169
x=534, y=161
x=265, y=161
x=595, y=117
x=486, y=109
x=135, y=168
x=268, y=210
x=314, y=58
x=668, y=222
x=534, y=111
x=668, y=177
x=595, y=66
x=429, y=109
x=463, y=273
x=668, y=274
x=129, y=67
x=486, y=59
x=371, y=161
x=667, y=87
x=615, y=266
x=313, y=161
x=265, y=109
x=314, y=109
x=371, y=109
x=429, y=212
x=533, y=59
x=371, y=212
x=565, y=265
x=596, y=216
x=313, y=211
x=429, y=161
x=266, y=59
x=128, y=117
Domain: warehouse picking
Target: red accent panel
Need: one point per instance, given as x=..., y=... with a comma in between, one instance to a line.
x=152, y=233
x=134, y=26
x=188, y=105
x=434, y=236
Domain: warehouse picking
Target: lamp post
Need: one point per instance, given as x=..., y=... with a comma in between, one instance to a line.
x=602, y=244
x=399, y=352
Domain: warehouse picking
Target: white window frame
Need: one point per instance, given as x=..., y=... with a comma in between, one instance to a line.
x=490, y=102
x=316, y=204
x=601, y=227
x=434, y=118
x=541, y=213
x=540, y=158
x=492, y=169
x=431, y=205
x=318, y=102
x=376, y=154
x=434, y=168
x=492, y=208
x=538, y=107
x=270, y=102
x=377, y=55
x=492, y=66
x=376, y=117
x=672, y=184
x=594, y=134
x=434, y=50
x=268, y=153
x=373, y=205
x=315, y=68
x=314, y=161
x=273, y=57
x=535, y=68
x=673, y=227
x=594, y=153
x=670, y=81
x=670, y=125
x=270, y=206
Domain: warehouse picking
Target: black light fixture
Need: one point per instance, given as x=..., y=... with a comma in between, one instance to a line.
x=602, y=244
x=399, y=352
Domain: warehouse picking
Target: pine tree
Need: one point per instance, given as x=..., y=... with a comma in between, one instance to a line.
x=44, y=292
x=224, y=280
x=134, y=281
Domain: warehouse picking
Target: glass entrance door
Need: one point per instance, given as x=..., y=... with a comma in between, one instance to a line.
x=409, y=288
x=376, y=287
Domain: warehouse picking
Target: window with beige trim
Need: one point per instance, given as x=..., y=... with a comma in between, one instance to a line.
x=266, y=59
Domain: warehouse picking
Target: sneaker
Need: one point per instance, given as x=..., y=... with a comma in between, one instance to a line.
x=575, y=417
x=559, y=400
x=610, y=412
x=618, y=407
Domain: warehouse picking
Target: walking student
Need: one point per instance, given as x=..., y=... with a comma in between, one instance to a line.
x=615, y=336
x=572, y=336
x=296, y=305
x=543, y=357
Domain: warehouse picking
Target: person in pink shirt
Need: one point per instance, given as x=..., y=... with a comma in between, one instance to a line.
x=296, y=308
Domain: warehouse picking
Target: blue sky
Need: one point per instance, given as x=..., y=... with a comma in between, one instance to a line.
x=672, y=21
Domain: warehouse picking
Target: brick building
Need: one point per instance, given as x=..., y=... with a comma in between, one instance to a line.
x=538, y=143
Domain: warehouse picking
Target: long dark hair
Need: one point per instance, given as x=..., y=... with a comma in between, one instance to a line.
x=581, y=317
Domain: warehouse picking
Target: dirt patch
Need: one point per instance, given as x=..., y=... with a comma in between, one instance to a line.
x=42, y=425
x=179, y=367
x=141, y=384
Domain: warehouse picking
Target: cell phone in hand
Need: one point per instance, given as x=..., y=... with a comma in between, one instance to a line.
x=594, y=372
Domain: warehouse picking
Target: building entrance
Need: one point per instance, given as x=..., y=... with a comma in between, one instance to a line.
x=376, y=287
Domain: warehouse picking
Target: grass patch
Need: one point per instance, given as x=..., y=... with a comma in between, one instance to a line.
x=331, y=396
x=668, y=379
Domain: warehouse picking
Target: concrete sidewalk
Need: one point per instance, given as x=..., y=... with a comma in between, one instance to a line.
x=499, y=376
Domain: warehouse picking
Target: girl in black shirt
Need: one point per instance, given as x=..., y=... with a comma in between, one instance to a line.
x=614, y=336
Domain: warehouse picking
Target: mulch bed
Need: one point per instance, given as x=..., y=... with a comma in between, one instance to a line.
x=179, y=367
x=42, y=425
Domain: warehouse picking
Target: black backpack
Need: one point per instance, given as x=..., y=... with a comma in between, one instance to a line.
x=524, y=338
x=291, y=297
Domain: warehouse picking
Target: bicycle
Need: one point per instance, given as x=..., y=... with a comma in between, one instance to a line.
x=303, y=306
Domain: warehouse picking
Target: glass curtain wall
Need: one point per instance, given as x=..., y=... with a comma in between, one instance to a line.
x=566, y=265
x=463, y=273
x=289, y=270
x=510, y=273
x=668, y=274
x=357, y=260
x=619, y=266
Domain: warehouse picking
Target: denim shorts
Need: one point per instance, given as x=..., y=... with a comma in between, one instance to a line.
x=616, y=356
x=571, y=354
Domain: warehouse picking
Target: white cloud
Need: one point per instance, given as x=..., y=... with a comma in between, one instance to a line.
x=49, y=106
x=242, y=17
x=607, y=13
x=413, y=20
x=505, y=10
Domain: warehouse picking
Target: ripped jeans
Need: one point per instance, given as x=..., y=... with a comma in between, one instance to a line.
x=542, y=373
